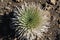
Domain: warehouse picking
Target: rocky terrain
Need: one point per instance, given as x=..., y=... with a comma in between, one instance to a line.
x=53, y=6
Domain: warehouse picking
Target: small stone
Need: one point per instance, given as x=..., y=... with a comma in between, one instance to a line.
x=58, y=20
x=48, y=7
x=1, y=13
x=59, y=25
x=9, y=3
x=53, y=1
x=1, y=0
x=19, y=1
x=7, y=8
x=42, y=1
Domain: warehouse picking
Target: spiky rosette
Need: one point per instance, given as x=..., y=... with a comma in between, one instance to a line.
x=35, y=20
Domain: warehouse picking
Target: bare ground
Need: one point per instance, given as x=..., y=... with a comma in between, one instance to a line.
x=53, y=7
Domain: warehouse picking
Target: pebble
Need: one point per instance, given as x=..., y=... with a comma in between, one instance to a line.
x=7, y=8
x=19, y=1
x=53, y=2
x=9, y=3
x=1, y=12
x=42, y=1
x=1, y=0
x=59, y=25
x=48, y=7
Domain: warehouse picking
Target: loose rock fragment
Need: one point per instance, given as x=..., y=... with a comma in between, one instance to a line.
x=9, y=3
x=7, y=8
x=1, y=12
x=19, y=1
x=53, y=1
x=1, y=0
x=42, y=1
x=59, y=25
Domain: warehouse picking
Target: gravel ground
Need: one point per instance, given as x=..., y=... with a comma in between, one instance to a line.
x=53, y=6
